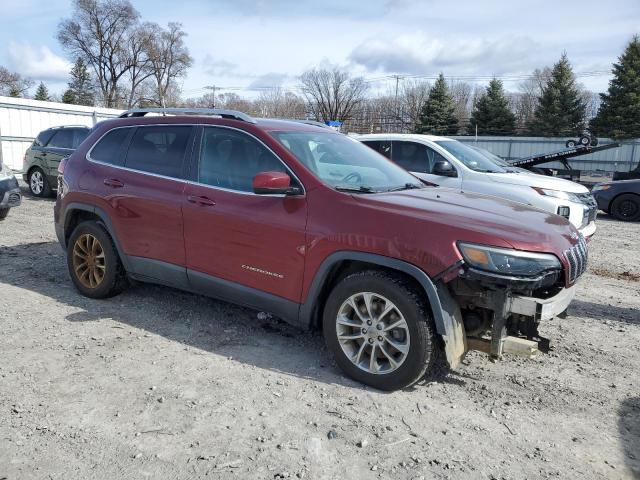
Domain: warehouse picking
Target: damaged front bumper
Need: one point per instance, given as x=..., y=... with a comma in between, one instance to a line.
x=540, y=309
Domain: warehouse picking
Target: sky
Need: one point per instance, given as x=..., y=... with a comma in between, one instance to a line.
x=242, y=46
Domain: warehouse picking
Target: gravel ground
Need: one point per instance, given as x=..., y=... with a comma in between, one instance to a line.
x=157, y=383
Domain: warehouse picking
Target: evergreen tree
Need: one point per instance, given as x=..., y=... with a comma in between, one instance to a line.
x=491, y=112
x=69, y=97
x=81, y=86
x=42, y=93
x=438, y=114
x=15, y=92
x=561, y=110
x=619, y=113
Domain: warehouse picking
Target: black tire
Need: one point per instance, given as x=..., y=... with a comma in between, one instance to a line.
x=34, y=188
x=114, y=278
x=584, y=140
x=423, y=345
x=570, y=143
x=626, y=207
x=3, y=213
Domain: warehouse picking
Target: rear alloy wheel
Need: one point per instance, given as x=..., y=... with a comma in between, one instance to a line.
x=379, y=330
x=626, y=207
x=38, y=184
x=93, y=262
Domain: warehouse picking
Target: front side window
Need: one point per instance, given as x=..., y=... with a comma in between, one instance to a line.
x=344, y=163
x=109, y=148
x=231, y=159
x=415, y=157
x=159, y=150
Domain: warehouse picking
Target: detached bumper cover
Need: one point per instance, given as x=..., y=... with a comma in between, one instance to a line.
x=542, y=309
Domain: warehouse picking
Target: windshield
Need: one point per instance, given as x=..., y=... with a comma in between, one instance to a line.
x=346, y=164
x=471, y=158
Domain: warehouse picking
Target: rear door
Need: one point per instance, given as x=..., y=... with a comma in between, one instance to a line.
x=257, y=241
x=142, y=190
x=420, y=160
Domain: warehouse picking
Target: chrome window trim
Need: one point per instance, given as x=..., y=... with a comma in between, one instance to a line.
x=184, y=180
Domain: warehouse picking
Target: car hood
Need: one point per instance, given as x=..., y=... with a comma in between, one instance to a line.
x=539, y=181
x=479, y=218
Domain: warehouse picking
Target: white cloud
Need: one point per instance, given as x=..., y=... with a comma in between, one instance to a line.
x=419, y=53
x=37, y=62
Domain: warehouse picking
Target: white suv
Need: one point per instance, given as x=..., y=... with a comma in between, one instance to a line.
x=450, y=163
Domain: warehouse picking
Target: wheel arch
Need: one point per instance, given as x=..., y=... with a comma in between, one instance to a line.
x=444, y=309
x=76, y=213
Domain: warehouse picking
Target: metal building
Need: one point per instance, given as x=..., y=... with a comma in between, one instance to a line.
x=22, y=119
x=622, y=159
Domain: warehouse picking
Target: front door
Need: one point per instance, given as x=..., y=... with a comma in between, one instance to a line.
x=234, y=235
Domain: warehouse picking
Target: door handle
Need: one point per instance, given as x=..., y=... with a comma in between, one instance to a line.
x=113, y=183
x=203, y=201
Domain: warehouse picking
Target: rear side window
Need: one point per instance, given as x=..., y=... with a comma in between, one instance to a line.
x=382, y=147
x=79, y=134
x=63, y=138
x=109, y=148
x=159, y=150
x=44, y=137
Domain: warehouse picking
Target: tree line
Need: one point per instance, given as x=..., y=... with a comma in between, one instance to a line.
x=121, y=61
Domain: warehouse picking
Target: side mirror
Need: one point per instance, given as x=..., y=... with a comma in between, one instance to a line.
x=444, y=169
x=273, y=183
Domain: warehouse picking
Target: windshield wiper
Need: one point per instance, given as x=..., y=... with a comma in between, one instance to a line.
x=406, y=186
x=354, y=188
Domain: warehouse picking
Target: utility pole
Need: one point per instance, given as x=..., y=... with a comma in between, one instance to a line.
x=213, y=91
x=397, y=77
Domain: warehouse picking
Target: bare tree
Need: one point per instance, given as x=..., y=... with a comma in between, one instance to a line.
x=98, y=31
x=332, y=94
x=169, y=58
x=526, y=100
x=463, y=97
x=278, y=103
x=592, y=101
x=137, y=56
x=413, y=95
x=13, y=84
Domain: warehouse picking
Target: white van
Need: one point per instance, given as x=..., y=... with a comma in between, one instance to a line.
x=450, y=163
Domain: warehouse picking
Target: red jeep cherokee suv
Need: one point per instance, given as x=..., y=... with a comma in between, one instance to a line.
x=311, y=225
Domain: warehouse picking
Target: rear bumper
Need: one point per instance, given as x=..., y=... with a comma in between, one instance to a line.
x=542, y=309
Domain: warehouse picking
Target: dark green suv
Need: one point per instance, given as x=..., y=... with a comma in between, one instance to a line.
x=43, y=157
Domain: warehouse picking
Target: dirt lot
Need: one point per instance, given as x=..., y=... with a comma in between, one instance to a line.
x=157, y=383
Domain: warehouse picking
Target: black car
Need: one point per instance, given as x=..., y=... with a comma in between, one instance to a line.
x=620, y=199
x=9, y=191
x=43, y=157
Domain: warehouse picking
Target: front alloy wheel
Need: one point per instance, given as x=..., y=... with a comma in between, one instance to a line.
x=373, y=333
x=378, y=326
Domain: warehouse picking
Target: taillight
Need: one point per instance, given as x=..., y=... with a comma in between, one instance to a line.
x=63, y=163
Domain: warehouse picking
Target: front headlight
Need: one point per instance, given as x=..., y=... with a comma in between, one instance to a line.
x=568, y=196
x=600, y=187
x=506, y=261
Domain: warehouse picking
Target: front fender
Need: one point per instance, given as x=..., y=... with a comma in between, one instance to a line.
x=444, y=308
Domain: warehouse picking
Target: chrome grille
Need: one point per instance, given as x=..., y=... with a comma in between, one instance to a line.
x=577, y=258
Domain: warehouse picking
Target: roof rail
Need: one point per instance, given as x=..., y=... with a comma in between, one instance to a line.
x=232, y=114
x=298, y=120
